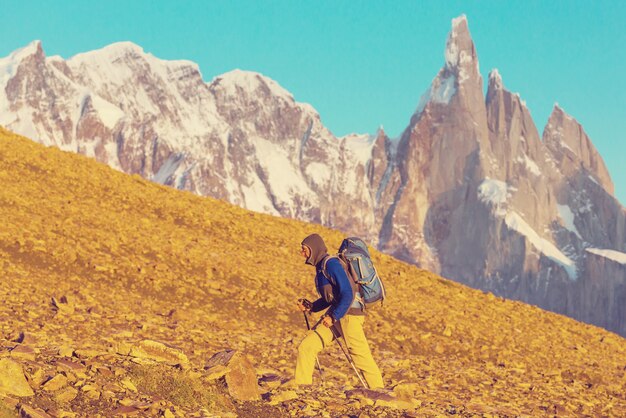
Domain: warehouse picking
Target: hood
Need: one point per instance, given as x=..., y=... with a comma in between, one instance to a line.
x=317, y=247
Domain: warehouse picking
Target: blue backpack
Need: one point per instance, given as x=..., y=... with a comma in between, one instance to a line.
x=357, y=262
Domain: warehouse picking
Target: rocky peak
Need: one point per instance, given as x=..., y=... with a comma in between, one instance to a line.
x=572, y=148
x=495, y=80
x=33, y=52
x=237, y=82
x=461, y=57
x=32, y=49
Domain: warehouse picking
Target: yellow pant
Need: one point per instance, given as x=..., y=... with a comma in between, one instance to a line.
x=352, y=326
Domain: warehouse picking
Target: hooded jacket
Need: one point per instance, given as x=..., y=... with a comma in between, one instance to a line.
x=336, y=291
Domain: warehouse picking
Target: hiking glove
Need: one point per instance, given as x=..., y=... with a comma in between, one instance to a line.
x=305, y=305
x=328, y=321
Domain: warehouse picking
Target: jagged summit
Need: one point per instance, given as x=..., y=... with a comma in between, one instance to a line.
x=573, y=149
x=117, y=54
x=249, y=81
x=10, y=63
x=460, y=53
x=495, y=79
x=34, y=47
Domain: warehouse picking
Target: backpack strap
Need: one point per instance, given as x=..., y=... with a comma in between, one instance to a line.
x=356, y=289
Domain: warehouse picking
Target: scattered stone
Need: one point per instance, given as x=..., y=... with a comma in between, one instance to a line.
x=56, y=383
x=168, y=414
x=66, y=394
x=283, y=397
x=87, y=354
x=66, y=351
x=272, y=381
x=104, y=371
x=154, y=350
x=12, y=379
x=69, y=365
x=239, y=374
x=126, y=383
x=23, y=352
x=10, y=402
x=123, y=348
x=62, y=306
x=126, y=410
x=93, y=394
x=30, y=412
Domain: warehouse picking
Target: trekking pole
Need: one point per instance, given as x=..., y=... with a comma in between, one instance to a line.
x=349, y=357
x=317, y=361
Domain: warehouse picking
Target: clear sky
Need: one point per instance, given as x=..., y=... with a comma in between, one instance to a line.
x=363, y=64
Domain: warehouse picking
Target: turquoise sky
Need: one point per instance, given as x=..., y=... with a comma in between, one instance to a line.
x=362, y=64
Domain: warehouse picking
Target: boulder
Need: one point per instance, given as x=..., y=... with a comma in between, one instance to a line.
x=237, y=371
x=12, y=379
x=57, y=382
x=66, y=395
x=159, y=352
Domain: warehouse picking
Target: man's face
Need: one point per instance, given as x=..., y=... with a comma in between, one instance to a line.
x=305, y=252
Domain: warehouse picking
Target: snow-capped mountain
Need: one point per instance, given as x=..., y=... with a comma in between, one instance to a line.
x=470, y=189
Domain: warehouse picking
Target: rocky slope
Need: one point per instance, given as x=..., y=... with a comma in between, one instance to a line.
x=117, y=292
x=470, y=190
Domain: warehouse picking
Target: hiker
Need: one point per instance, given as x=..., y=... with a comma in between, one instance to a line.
x=346, y=314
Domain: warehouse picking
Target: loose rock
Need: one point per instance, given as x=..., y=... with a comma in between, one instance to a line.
x=12, y=379
x=238, y=372
x=154, y=350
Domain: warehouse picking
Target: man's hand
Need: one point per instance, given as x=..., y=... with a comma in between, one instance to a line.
x=304, y=305
x=328, y=321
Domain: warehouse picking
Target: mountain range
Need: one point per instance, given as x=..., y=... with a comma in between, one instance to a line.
x=470, y=190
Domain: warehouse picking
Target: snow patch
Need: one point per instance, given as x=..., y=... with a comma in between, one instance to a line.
x=530, y=165
x=493, y=192
x=256, y=198
x=249, y=81
x=515, y=222
x=108, y=113
x=113, y=159
x=566, y=214
x=496, y=77
x=318, y=173
x=593, y=179
x=359, y=146
x=168, y=168
x=283, y=177
x=441, y=91
x=613, y=255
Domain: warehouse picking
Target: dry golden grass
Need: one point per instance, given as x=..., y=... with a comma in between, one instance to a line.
x=135, y=260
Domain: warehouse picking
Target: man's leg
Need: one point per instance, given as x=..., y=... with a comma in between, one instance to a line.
x=352, y=326
x=312, y=344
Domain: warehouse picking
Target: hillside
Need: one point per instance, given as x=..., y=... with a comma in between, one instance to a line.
x=93, y=261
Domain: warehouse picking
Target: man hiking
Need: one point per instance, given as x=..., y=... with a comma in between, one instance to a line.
x=345, y=314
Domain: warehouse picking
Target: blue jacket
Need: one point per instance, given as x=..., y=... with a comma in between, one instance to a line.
x=338, y=292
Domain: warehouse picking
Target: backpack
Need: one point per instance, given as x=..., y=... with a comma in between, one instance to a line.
x=355, y=259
